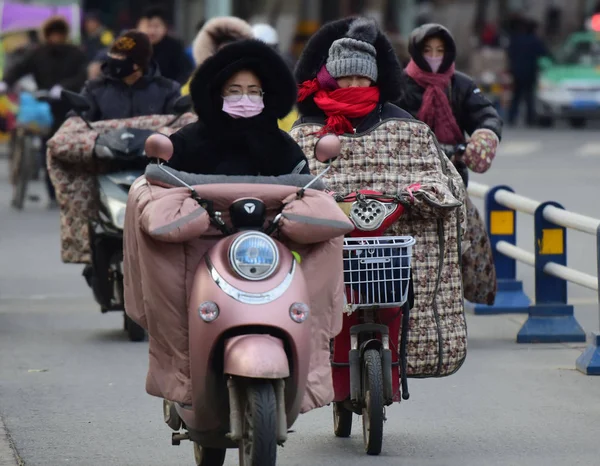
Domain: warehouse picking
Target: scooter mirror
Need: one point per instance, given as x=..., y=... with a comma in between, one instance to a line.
x=75, y=101
x=328, y=148
x=159, y=146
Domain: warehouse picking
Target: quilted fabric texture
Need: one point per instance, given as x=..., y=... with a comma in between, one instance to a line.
x=392, y=156
x=73, y=169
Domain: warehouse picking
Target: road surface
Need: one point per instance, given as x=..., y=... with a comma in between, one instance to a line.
x=72, y=386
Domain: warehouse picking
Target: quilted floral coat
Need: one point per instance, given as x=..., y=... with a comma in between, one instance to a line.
x=73, y=168
x=391, y=156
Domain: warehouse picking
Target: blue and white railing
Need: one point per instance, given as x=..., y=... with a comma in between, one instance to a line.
x=551, y=318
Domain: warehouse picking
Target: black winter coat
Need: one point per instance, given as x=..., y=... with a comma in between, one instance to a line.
x=471, y=108
x=221, y=145
x=197, y=149
x=523, y=52
x=172, y=59
x=111, y=98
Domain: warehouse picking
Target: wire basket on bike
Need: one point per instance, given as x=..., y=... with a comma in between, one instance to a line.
x=377, y=270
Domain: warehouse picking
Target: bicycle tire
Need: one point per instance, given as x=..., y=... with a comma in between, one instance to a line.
x=22, y=170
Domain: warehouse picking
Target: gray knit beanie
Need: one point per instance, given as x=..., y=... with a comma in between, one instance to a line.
x=355, y=55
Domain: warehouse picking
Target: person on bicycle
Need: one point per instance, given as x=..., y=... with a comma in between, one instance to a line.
x=349, y=78
x=131, y=84
x=453, y=106
x=55, y=64
x=447, y=100
x=238, y=94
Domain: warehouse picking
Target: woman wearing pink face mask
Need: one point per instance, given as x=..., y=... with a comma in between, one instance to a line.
x=448, y=100
x=453, y=107
x=239, y=94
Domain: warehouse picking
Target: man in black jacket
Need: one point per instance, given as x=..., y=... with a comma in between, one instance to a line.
x=169, y=53
x=131, y=84
x=55, y=65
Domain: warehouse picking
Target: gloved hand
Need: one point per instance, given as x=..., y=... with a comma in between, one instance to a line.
x=481, y=150
x=56, y=92
x=3, y=87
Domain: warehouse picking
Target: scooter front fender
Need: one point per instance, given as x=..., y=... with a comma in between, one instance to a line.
x=256, y=356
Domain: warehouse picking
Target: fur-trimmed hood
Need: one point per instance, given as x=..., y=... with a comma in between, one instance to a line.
x=316, y=52
x=251, y=54
x=207, y=41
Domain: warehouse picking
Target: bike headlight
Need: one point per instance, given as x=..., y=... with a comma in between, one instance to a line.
x=254, y=256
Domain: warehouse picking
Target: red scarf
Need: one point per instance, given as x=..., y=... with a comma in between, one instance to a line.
x=435, y=108
x=340, y=104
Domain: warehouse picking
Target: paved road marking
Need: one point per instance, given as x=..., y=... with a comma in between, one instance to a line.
x=591, y=149
x=518, y=148
x=7, y=454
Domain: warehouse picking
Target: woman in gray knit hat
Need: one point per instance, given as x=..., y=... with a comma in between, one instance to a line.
x=350, y=88
x=348, y=76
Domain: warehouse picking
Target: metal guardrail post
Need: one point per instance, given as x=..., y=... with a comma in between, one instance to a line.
x=502, y=226
x=589, y=361
x=551, y=319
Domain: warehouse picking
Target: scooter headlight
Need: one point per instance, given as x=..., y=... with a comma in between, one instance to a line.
x=254, y=256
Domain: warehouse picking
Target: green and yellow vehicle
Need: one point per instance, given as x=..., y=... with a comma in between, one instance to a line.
x=569, y=85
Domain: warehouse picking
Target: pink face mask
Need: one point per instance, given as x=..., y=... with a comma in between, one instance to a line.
x=434, y=63
x=243, y=108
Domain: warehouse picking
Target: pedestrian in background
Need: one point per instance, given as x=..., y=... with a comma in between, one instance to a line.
x=96, y=36
x=169, y=52
x=524, y=50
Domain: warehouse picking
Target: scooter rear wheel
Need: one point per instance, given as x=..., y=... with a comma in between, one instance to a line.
x=259, y=438
x=209, y=456
x=373, y=407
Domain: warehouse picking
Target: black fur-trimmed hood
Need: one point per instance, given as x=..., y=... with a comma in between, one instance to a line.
x=276, y=79
x=316, y=52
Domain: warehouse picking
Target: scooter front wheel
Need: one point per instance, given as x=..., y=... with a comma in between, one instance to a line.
x=258, y=446
x=373, y=406
x=209, y=456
